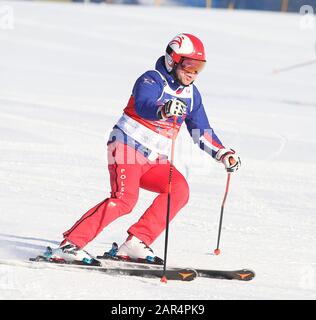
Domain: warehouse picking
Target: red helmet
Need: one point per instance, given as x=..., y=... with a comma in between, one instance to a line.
x=184, y=46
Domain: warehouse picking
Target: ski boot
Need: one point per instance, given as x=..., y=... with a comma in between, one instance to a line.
x=70, y=253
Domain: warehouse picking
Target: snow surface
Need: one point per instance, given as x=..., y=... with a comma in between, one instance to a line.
x=66, y=72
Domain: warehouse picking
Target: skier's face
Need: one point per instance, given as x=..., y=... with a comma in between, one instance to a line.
x=188, y=69
x=185, y=77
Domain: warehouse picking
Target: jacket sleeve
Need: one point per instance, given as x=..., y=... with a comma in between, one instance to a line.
x=199, y=128
x=147, y=90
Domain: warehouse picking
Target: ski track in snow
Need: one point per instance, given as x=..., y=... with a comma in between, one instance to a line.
x=67, y=72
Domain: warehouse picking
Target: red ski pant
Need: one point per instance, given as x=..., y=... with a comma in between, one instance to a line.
x=126, y=179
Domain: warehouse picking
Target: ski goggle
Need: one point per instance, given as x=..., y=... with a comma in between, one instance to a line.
x=191, y=65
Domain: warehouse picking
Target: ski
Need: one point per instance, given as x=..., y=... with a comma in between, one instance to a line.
x=171, y=274
x=243, y=274
x=112, y=266
x=181, y=274
x=137, y=269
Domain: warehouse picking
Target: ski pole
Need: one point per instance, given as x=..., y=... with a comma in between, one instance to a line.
x=164, y=278
x=217, y=251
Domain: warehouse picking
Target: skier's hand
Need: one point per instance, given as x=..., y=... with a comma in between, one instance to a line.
x=172, y=108
x=229, y=158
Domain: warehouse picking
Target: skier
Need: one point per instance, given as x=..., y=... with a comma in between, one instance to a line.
x=138, y=149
